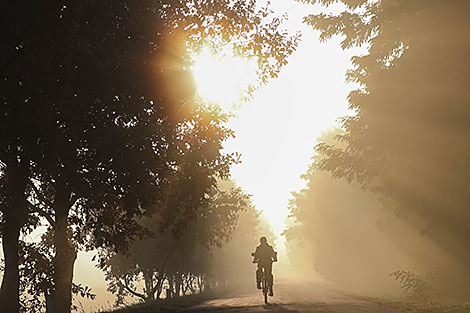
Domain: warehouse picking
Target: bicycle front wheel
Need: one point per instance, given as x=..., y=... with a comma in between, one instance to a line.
x=265, y=290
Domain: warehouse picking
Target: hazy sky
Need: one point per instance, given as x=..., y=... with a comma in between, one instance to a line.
x=276, y=132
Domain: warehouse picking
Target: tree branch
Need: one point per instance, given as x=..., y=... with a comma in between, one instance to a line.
x=40, y=195
x=161, y=277
x=160, y=280
x=133, y=292
x=41, y=212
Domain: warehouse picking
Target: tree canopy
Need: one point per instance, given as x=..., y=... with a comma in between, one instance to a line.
x=176, y=265
x=409, y=137
x=99, y=124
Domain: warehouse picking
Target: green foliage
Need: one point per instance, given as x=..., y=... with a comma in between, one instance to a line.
x=420, y=286
x=180, y=264
x=409, y=139
x=36, y=275
x=427, y=306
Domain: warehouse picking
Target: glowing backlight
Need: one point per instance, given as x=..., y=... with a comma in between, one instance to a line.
x=223, y=79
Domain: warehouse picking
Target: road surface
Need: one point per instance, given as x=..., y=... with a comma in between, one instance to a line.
x=292, y=298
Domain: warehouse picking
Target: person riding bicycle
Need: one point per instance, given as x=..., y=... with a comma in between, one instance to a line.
x=264, y=256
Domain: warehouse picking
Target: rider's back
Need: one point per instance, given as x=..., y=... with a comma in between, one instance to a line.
x=265, y=253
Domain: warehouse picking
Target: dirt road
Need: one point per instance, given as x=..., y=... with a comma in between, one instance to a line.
x=292, y=298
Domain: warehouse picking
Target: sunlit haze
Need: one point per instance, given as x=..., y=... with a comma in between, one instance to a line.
x=222, y=78
x=276, y=131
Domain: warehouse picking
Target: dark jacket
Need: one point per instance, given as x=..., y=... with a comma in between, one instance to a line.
x=264, y=254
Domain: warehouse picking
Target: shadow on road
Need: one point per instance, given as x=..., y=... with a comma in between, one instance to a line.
x=275, y=307
x=270, y=307
x=292, y=297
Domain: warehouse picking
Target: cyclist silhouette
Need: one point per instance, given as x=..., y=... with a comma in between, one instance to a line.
x=265, y=256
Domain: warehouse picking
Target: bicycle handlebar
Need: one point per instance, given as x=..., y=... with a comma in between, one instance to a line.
x=274, y=259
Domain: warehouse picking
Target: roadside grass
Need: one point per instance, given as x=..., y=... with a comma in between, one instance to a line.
x=421, y=306
x=169, y=305
x=428, y=307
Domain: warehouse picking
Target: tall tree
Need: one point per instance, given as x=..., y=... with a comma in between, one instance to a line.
x=409, y=139
x=341, y=232
x=96, y=105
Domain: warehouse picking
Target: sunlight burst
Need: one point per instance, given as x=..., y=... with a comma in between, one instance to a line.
x=223, y=79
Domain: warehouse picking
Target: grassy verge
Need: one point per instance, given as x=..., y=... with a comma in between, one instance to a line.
x=423, y=306
x=430, y=307
x=169, y=305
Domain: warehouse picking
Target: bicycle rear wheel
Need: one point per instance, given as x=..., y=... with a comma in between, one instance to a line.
x=265, y=288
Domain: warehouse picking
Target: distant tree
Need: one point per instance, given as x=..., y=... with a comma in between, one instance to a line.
x=231, y=264
x=174, y=261
x=409, y=139
x=96, y=107
x=338, y=228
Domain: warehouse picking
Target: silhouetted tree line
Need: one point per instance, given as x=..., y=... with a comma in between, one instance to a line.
x=342, y=232
x=99, y=127
x=409, y=139
x=165, y=266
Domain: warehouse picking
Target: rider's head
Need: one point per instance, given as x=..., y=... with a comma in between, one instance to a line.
x=263, y=240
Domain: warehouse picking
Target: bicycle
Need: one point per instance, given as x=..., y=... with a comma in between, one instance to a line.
x=264, y=285
x=264, y=281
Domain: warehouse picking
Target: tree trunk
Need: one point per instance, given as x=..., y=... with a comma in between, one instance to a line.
x=160, y=286
x=171, y=285
x=65, y=254
x=9, y=292
x=201, y=282
x=184, y=284
x=191, y=283
x=149, y=293
x=178, y=282
x=15, y=213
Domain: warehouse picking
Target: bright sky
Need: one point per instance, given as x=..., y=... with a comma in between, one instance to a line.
x=276, y=131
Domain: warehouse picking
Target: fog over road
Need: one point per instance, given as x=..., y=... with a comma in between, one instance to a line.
x=292, y=298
